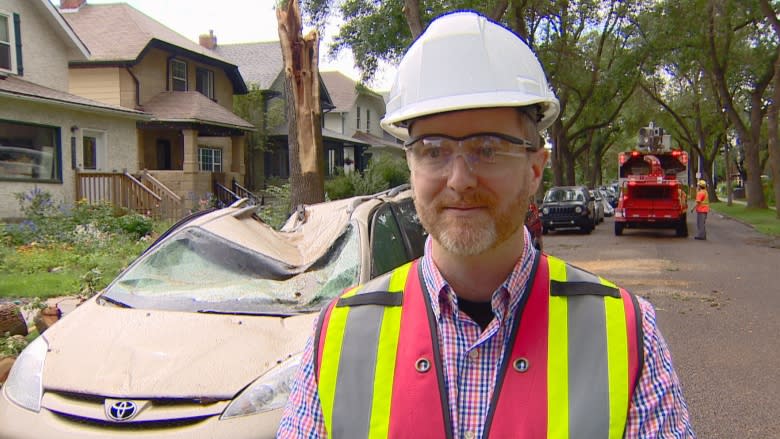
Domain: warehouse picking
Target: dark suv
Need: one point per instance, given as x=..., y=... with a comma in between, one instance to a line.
x=568, y=207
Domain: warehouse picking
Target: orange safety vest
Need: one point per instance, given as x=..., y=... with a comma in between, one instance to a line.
x=575, y=358
x=702, y=201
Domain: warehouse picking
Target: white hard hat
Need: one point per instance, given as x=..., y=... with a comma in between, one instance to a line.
x=463, y=61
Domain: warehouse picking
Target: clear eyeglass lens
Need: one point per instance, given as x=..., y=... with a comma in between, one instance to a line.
x=438, y=152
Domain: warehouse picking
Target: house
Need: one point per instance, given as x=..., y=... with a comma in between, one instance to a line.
x=356, y=115
x=192, y=145
x=262, y=67
x=46, y=133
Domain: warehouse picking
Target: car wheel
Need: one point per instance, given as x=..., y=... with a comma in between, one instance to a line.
x=619, y=228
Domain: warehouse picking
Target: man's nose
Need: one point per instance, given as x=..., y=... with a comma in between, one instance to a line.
x=461, y=172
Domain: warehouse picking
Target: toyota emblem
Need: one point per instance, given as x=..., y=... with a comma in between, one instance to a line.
x=122, y=411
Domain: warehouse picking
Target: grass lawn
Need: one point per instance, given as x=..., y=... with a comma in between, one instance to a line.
x=57, y=270
x=763, y=220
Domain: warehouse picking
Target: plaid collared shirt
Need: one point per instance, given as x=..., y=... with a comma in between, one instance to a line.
x=470, y=356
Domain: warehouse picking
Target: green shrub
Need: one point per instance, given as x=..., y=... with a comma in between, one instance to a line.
x=135, y=225
x=277, y=207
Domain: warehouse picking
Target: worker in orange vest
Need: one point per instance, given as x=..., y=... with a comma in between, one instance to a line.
x=702, y=208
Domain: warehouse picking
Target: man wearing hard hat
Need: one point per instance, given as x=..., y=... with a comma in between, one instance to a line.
x=483, y=336
x=702, y=209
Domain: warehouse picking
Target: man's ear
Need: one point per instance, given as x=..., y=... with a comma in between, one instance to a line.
x=538, y=160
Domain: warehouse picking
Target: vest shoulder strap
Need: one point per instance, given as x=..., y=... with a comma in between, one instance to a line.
x=568, y=280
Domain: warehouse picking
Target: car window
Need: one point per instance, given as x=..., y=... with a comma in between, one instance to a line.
x=561, y=195
x=196, y=270
x=411, y=225
x=388, y=250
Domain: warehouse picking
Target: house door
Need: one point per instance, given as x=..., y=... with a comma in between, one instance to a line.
x=164, y=154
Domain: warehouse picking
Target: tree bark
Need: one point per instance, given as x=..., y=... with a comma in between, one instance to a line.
x=412, y=14
x=772, y=112
x=304, y=114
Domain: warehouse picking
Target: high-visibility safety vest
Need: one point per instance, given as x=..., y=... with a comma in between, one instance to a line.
x=569, y=370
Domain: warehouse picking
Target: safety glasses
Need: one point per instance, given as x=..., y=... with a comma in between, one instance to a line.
x=483, y=152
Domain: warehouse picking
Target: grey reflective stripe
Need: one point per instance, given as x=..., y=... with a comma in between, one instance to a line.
x=588, y=373
x=357, y=366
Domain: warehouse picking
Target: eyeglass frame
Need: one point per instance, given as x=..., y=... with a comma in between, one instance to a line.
x=526, y=145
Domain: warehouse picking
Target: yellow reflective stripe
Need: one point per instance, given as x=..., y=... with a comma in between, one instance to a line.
x=379, y=426
x=331, y=354
x=557, y=357
x=617, y=357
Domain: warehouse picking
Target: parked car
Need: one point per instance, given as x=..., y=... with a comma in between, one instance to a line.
x=534, y=224
x=201, y=335
x=611, y=194
x=609, y=210
x=598, y=204
x=565, y=207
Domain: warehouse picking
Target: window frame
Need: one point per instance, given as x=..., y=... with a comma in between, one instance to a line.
x=209, y=82
x=357, y=120
x=215, y=151
x=368, y=120
x=176, y=79
x=12, y=68
x=56, y=159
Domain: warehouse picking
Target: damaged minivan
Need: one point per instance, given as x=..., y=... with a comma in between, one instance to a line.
x=202, y=334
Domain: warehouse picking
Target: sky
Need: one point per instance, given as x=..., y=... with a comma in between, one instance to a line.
x=240, y=21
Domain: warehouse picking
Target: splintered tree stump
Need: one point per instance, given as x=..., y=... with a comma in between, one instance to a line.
x=12, y=320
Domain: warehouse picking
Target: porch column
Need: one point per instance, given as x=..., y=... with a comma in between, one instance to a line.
x=190, y=139
x=238, y=166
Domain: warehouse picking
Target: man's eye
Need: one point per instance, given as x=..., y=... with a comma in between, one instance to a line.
x=430, y=152
x=487, y=153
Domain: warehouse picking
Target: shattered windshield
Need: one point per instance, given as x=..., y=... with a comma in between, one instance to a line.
x=200, y=271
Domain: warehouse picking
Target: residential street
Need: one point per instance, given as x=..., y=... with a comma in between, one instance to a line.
x=716, y=302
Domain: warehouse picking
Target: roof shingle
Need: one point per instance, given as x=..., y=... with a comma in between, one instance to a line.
x=192, y=106
x=259, y=63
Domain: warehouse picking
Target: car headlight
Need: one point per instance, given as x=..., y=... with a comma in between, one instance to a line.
x=578, y=209
x=269, y=392
x=545, y=210
x=24, y=385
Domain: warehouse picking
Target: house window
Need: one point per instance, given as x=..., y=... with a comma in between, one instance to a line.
x=358, y=118
x=178, y=75
x=210, y=159
x=29, y=152
x=93, y=150
x=7, y=49
x=368, y=120
x=204, y=82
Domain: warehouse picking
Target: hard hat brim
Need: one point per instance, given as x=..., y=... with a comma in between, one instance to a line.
x=395, y=123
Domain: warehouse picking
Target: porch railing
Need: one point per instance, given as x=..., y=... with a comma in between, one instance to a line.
x=122, y=190
x=170, y=203
x=243, y=192
x=225, y=197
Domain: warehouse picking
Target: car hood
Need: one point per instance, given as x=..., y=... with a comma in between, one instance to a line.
x=123, y=352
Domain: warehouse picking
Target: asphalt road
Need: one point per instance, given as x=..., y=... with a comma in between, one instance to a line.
x=717, y=303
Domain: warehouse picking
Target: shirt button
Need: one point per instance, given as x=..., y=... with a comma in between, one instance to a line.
x=469, y=435
x=474, y=354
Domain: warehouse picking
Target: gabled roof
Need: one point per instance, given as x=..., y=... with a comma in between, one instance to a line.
x=344, y=90
x=192, y=106
x=60, y=26
x=117, y=33
x=259, y=63
x=16, y=88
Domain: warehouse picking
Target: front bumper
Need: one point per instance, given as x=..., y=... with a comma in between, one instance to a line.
x=19, y=423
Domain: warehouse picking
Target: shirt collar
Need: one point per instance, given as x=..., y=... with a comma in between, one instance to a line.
x=443, y=300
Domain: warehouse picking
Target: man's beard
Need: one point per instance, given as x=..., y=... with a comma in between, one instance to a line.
x=474, y=235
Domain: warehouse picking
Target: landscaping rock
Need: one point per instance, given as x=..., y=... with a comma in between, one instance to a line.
x=12, y=320
x=5, y=367
x=47, y=317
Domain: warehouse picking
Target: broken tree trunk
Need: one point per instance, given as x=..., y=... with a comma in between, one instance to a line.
x=302, y=86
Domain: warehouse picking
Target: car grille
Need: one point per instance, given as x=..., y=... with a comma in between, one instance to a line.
x=162, y=413
x=560, y=211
